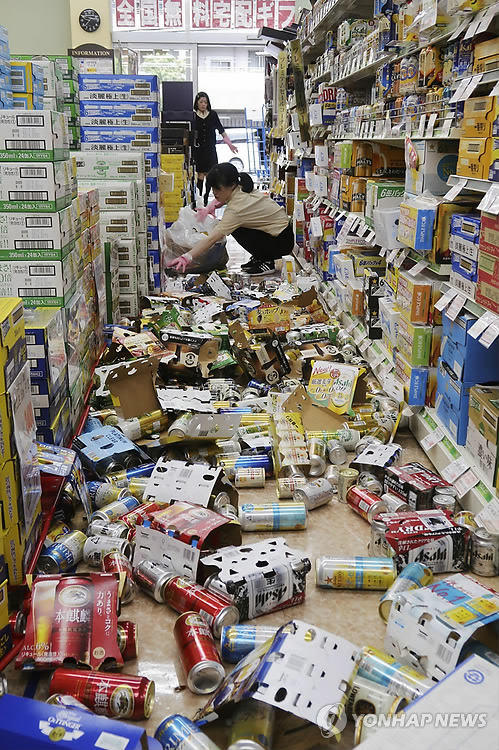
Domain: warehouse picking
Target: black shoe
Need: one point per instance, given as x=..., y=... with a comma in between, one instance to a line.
x=249, y=264
x=261, y=268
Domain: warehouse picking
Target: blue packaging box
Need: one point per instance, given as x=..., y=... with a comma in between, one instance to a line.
x=119, y=113
x=151, y=159
x=152, y=189
x=152, y=214
x=152, y=236
x=28, y=724
x=45, y=333
x=465, y=267
x=455, y=391
x=59, y=433
x=109, y=87
x=450, y=420
x=469, y=359
x=119, y=139
x=97, y=447
x=5, y=80
x=5, y=68
x=465, y=235
x=6, y=99
x=47, y=407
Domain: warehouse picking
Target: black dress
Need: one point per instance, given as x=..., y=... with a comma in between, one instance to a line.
x=205, y=153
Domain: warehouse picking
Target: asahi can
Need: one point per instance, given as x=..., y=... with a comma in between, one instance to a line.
x=63, y=555
x=445, y=502
x=314, y=494
x=117, y=530
x=250, y=478
x=152, y=578
x=103, y=493
x=414, y=576
x=317, y=453
x=336, y=452
x=484, y=553
x=346, y=479
x=118, y=695
x=117, y=562
x=183, y=595
x=367, y=697
x=355, y=572
x=366, y=504
x=287, y=485
x=202, y=665
x=394, y=504
x=273, y=516
x=128, y=639
x=398, y=679
x=176, y=732
x=236, y=641
x=115, y=510
x=96, y=547
x=378, y=546
x=252, y=725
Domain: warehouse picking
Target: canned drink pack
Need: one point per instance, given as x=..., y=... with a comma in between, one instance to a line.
x=287, y=485
x=63, y=555
x=366, y=504
x=273, y=516
x=314, y=494
x=252, y=725
x=115, y=510
x=117, y=562
x=236, y=641
x=355, y=572
x=96, y=547
x=398, y=679
x=152, y=578
x=250, y=478
x=202, y=665
x=414, y=576
x=177, y=732
x=120, y=696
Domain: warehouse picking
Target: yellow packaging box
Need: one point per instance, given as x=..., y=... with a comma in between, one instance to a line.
x=440, y=252
x=12, y=341
x=475, y=156
x=478, y=117
x=10, y=493
x=12, y=547
x=486, y=56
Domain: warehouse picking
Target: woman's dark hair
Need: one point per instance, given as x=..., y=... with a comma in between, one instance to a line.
x=199, y=96
x=226, y=175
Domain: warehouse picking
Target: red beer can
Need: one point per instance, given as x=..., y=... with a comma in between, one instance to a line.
x=72, y=621
x=115, y=562
x=120, y=696
x=202, y=665
x=137, y=516
x=128, y=640
x=365, y=503
x=183, y=595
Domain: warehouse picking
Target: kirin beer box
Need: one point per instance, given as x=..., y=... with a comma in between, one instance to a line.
x=429, y=537
x=260, y=578
x=195, y=524
x=119, y=139
x=72, y=618
x=92, y=166
x=414, y=483
x=111, y=87
x=25, y=186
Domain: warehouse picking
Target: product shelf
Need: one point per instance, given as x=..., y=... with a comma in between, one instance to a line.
x=331, y=14
x=365, y=73
x=440, y=269
x=478, y=186
x=470, y=305
x=480, y=497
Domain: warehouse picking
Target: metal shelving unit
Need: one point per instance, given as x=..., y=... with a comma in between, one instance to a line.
x=478, y=186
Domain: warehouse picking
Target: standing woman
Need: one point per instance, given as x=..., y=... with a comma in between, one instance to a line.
x=207, y=122
x=257, y=222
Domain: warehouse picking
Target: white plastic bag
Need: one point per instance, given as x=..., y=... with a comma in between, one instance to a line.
x=187, y=230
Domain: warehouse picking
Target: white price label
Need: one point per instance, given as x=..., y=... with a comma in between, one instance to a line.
x=490, y=335
x=454, y=470
x=455, y=189
x=364, y=345
x=401, y=257
x=481, y=324
x=421, y=127
x=495, y=90
x=445, y=299
x=455, y=307
x=383, y=251
x=471, y=86
x=489, y=199
x=461, y=88
x=431, y=124
x=316, y=226
x=417, y=267
x=393, y=255
x=432, y=439
x=465, y=483
x=378, y=359
x=370, y=238
x=447, y=126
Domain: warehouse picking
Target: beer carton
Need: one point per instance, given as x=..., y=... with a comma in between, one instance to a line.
x=96, y=449
x=41, y=135
x=113, y=195
x=475, y=156
x=382, y=194
x=26, y=77
x=119, y=114
x=413, y=483
x=478, y=117
x=465, y=235
x=73, y=619
x=192, y=523
x=5, y=631
x=35, y=187
x=41, y=236
x=436, y=161
x=119, y=139
x=111, y=87
x=111, y=166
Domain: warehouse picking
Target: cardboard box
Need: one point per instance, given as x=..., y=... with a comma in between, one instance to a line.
x=475, y=156
x=484, y=453
x=117, y=225
x=464, y=267
x=414, y=341
x=45, y=335
x=12, y=342
x=413, y=483
x=118, y=114
x=470, y=360
x=487, y=295
x=41, y=283
x=151, y=162
x=414, y=380
x=27, y=101
x=128, y=280
x=389, y=316
x=456, y=395
x=440, y=252
x=26, y=77
x=44, y=236
x=413, y=297
x=416, y=224
x=12, y=546
x=486, y=56
x=119, y=87
x=484, y=411
x=40, y=136
x=478, y=117
x=437, y=160
x=35, y=187
x=6, y=99
x=382, y=194
x=494, y=161
x=465, y=235
x=433, y=644
x=5, y=631
x=93, y=166
x=464, y=285
x=113, y=195
x=190, y=522
x=488, y=268
x=119, y=139
x=60, y=430
x=10, y=494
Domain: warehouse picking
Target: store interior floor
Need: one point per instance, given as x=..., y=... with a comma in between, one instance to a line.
x=334, y=530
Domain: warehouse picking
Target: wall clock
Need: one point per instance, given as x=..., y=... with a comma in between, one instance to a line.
x=89, y=20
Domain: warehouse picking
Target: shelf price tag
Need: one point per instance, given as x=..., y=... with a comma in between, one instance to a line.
x=461, y=88
x=401, y=257
x=316, y=226
x=431, y=124
x=417, y=267
x=390, y=258
x=490, y=335
x=370, y=237
x=372, y=126
x=454, y=470
x=455, y=307
x=447, y=126
x=459, y=29
x=421, y=127
x=465, y=483
x=446, y=299
x=489, y=199
x=495, y=90
x=432, y=439
x=481, y=324
x=455, y=189
x=383, y=251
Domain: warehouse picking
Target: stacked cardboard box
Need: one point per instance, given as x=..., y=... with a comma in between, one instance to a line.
x=121, y=113
x=27, y=84
x=20, y=491
x=6, y=98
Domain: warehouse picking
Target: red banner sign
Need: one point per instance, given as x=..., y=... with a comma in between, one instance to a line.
x=200, y=14
x=265, y=13
x=125, y=14
x=243, y=14
x=221, y=14
x=286, y=14
x=149, y=14
x=173, y=14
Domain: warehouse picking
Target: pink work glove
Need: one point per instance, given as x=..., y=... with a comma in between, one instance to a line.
x=208, y=210
x=229, y=143
x=181, y=263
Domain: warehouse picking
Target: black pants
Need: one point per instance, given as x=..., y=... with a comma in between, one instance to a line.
x=262, y=245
